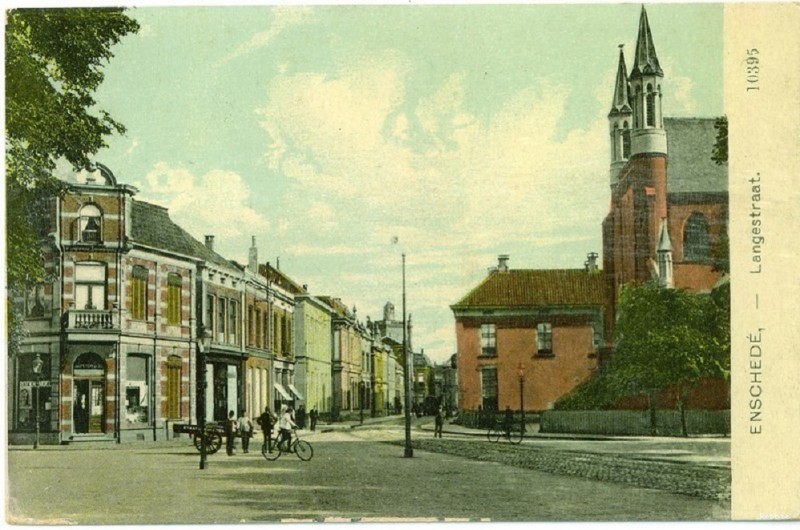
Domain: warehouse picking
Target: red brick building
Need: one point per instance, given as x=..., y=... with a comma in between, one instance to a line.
x=545, y=326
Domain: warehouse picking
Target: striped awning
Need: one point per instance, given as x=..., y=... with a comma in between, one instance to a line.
x=294, y=391
x=282, y=391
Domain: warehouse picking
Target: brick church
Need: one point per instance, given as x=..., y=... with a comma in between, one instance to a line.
x=532, y=336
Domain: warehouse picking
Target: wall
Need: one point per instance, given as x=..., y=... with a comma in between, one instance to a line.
x=634, y=422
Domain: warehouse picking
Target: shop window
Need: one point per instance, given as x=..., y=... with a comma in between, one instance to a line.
x=488, y=336
x=90, y=223
x=137, y=390
x=139, y=293
x=174, y=284
x=33, y=393
x=696, y=245
x=489, y=388
x=90, y=286
x=173, y=386
x=544, y=339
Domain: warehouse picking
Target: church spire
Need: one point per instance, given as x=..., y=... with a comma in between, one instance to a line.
x=620, y=121
x=645, y=60
x=648, y=136
x=664, y=256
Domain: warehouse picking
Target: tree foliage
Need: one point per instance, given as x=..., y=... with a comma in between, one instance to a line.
x=54, y=61
x=719, y=154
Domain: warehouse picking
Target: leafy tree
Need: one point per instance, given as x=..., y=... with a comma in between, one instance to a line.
x=719, y=153
x=54, y=60
x=670, y=338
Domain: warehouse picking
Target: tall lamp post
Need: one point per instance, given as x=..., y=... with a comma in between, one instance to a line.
x=361, y=402
x=203, y=345
x=37, y=370
x=521, y=374
x=409, y=452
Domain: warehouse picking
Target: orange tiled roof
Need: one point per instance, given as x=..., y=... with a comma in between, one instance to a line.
x=536, y=287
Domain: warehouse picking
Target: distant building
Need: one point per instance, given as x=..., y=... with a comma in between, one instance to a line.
x=546, y=325
x=313, y=353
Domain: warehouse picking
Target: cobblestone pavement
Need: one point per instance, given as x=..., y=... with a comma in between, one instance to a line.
x=351, y=477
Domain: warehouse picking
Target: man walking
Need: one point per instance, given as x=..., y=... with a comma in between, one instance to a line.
x=230, y=432
x=437, y=432
x=267, y=422
x=313, y=417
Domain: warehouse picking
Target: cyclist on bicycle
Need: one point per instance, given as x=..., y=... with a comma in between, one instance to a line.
x=286, y=424
x=508, y=420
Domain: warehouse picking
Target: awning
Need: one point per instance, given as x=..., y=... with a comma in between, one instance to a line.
x=294, y=391
x=282, y=391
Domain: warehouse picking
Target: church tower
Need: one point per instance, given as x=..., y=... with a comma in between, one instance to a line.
x=620, y=120
x=645, y=91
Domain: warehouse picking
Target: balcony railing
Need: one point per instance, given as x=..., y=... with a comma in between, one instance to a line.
x=91, y=319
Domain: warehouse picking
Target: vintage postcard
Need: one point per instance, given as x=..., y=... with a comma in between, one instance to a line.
x=416, y=263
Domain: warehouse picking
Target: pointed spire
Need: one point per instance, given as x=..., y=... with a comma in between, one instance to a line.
x=664, y=243
x=645, y=60
x=621, y=102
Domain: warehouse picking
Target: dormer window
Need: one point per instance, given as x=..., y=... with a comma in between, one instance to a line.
x=90, y=224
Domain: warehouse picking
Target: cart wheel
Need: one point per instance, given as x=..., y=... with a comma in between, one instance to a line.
x=213, y=442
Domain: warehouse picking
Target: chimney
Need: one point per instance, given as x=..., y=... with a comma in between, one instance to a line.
x=502, y=262
x=210, y=242
x=252, y=262
x=591, y=262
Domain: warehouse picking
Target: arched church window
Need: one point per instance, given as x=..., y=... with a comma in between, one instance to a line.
x=626, y=141
x=696, y=245
x=651, y=107
x=90, y=224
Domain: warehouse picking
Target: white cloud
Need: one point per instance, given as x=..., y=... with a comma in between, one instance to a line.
x=283, y=17
x=213, y=203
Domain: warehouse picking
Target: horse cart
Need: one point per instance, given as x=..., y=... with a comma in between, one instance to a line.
x=213, y=435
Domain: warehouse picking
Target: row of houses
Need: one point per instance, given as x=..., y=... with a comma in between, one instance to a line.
x=136, y=319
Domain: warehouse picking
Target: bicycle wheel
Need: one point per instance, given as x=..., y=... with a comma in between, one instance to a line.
x=275, y=453
x=515, y=435
x=494, y=434
x=303, y=450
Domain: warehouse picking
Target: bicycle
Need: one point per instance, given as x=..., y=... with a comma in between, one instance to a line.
x=295, y=445
x=513, y=434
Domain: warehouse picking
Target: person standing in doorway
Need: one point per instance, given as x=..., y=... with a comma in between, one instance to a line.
x=437, y=432
x=245, y=431
x=267, y=423
x=230, y=433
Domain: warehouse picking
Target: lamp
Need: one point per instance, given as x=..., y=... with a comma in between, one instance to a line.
x=37, y=370
x=409, y=452
x=203, y=345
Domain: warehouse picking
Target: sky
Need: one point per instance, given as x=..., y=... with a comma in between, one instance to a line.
x=464, y=131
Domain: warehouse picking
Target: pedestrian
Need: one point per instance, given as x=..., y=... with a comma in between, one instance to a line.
x=230, y=433
x=267, y=423
x=313, y=417
x=508, y=420
x=245, y=431
x=439, y=423
x=301, y=417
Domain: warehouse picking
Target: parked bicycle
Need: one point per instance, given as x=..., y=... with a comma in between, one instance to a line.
x=511, y=433
x=294, y=444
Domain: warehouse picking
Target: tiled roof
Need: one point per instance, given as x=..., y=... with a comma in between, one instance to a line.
x=151, y=226
x=690, y=168
x=536, y=288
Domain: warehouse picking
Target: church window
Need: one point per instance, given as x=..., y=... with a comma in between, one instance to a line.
x=90, y=286
x=174, y=298
x=488, y=336
x=696, y=245
x=626, y=141
x=544, y=338
x=90, y=222
x=139, y=293
x=651, y=107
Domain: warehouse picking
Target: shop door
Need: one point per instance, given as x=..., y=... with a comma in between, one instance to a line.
x=88, y=406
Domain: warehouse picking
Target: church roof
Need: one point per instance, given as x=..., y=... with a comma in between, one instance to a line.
x=536, y=288
x=152, y=226
x=690, y=168
x=645, y=60
x=620, y=103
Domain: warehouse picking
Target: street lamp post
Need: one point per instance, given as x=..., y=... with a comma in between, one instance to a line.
x=409, y=452
x=203, y=345
x=361, y=402
x=37, y=370
x=521, y=374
